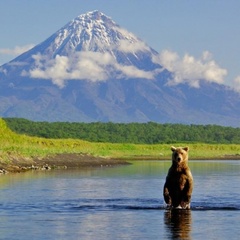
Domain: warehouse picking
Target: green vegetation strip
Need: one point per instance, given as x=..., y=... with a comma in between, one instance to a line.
x=138, y=133
x=20, y=146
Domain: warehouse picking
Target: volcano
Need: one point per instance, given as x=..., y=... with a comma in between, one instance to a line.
x=94, y=70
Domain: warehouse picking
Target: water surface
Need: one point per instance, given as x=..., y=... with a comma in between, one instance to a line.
x=119, y=203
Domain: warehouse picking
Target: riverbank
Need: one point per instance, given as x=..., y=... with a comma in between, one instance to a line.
x=59, y=161
x=149, y=157
x=81, y=160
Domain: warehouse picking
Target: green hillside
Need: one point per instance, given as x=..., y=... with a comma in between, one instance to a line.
x=19, y=147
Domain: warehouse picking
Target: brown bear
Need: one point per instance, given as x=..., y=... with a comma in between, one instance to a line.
x=178, y=187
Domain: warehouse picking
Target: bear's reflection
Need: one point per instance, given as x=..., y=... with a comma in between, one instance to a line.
x=178, y=223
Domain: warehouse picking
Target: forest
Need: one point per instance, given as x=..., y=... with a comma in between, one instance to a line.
x=138, y=133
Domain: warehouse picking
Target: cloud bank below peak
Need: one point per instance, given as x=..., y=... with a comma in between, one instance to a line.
x=190, y=70
x=96, y=66
x=17, y=50
x=92, y=66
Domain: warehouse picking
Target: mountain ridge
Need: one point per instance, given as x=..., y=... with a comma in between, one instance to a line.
x=93, y=70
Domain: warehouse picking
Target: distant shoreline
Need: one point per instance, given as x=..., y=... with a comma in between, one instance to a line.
x=79, y=160
x=144, y=158
x=60, y=161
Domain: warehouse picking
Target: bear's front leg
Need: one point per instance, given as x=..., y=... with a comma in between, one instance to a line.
x=189, y=188
x=186, y=200
x=166, y=195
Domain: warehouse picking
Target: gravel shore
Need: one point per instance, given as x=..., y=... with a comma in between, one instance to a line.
x=62, y=161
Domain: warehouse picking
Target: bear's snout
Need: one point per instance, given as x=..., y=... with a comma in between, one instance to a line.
x=177, y=157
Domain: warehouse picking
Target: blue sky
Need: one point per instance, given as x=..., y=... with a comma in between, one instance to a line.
x=180, y=27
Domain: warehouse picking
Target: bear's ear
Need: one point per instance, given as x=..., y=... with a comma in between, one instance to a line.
x=173, y=148
x=186, y=149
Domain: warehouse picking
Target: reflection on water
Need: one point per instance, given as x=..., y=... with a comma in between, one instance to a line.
x=122, y=202
x=178, y=223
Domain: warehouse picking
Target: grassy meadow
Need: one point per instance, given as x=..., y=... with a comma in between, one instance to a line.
x=16, y=146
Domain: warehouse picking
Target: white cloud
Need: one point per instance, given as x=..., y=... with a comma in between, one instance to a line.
x=236, y=83
x=128, y=47
x=63, y=68
x=133, y=72
x=93, y=66
x=96, y=66
x=130, y=44
x=189, y=69
x=3, y=70
x=124, y=32
x=16, y=50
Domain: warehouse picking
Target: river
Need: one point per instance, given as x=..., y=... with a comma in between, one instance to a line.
x=123, y=202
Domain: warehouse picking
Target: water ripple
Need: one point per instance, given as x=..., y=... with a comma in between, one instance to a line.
x=139, y=204
x=111, y=204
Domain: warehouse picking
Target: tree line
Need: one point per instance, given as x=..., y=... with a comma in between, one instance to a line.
x=139, y=133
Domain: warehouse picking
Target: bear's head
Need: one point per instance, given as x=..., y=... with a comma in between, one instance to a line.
x=179, y=155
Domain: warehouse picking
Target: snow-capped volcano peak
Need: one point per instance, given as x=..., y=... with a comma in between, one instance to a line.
x=87, y=32
x=90, y=47
x=93, y=18
x=95, y=32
